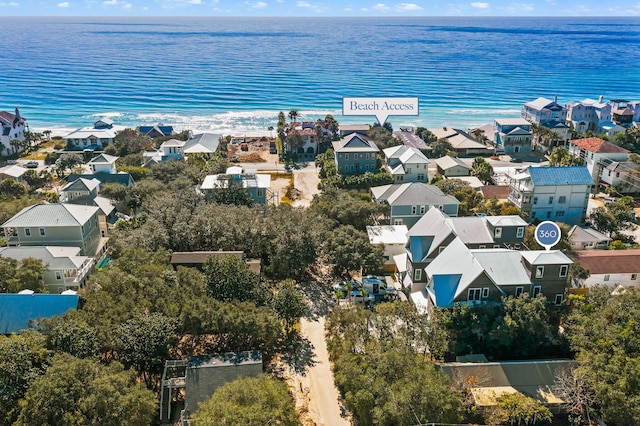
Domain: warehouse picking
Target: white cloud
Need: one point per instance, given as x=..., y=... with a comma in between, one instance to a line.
x=381, y=6
x=127, y=6
x=12, y=4
x=110, y=2
x=303, y=4
x=259, y=5
x=64, y=4
x=194, y=1
x=408, y=7
x=364, y=9
x=480, y=5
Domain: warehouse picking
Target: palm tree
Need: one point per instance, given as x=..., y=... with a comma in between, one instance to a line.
x=293, y=114
x=349, y=287
x=47, y=134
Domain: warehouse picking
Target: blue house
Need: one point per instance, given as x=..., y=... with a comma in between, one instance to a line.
x=17, y=310
x=157, y=130
x=513, y=135
x=355, y=154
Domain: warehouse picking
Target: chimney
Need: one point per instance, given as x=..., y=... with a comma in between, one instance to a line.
x=601, y=99
x=555, y=99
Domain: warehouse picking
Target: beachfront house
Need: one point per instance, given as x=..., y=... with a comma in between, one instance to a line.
x=543, y=111
x=597, y=155
x=96, y=137
x=408, y=202
x=588, y=114
x=12, y=128
x=463, y=144
x=64, y=267
x=554, y=193
x=66, y=225
x=258, y=185
x=410, y=138
x=157, y=130
x=347, y=129
x=512, y=135
x=406, y=164
x=355, y=154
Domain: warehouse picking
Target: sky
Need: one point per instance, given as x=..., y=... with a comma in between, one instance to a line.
x=319, y=8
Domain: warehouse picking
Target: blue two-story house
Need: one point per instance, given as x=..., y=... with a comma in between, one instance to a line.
x=513, y=135
x=355, y=154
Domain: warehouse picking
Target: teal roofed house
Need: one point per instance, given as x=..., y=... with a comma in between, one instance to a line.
x=18, y=310
x=355, y=154
x=555, y=193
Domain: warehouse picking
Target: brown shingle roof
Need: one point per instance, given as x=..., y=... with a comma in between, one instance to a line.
x=597, y=145
x=609, y=261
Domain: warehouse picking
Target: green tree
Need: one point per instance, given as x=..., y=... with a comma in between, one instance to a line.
x=442, y=147
x=68, y=162
x=382, y=136
x=232, y=193
x=294, y=114
x=349, y=250
x=560, y=156
x=250, y=401
x=482, y=170
x=518, y=409
x=25, y=274
x=81, y=391
x=288, y=304
x=70, y=333
x=129, y=141
x=23, y=358
x=10, y=189
x=231, y=279
x=143, y=343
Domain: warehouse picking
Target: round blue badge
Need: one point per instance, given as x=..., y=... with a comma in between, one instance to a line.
x=548, y=234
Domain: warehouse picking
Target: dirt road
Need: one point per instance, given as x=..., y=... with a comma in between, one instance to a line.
x=323, y=404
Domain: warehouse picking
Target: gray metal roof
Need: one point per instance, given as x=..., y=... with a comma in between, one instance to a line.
x=355, y=142
x=509, y=220
x=546, y=257
x=502, y=266
x=52, y=257
x=471, y=229
x=413, y=194
x=46, y=215
x=203, y=143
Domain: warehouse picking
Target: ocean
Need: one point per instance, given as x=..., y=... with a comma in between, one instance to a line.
x=233, y=75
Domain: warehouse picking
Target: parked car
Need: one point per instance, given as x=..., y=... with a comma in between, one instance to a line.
x=31, y=164
x=235, y=159
x=356, y=296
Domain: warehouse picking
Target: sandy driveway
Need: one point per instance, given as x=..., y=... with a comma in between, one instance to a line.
x=306, y=181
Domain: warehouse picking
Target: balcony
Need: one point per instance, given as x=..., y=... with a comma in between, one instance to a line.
x=74, y=277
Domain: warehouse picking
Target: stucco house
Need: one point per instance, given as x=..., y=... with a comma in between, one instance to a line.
x=610, y=267
x=98, y=136
x=553, y=193
x=597, y=155
x=512, y=135
x=12, y=128
x=64, y=267
x=258, y=185
x=66, y=225
x=588, y=114
x=408, y=202
x=406, y=164
x=355, y=154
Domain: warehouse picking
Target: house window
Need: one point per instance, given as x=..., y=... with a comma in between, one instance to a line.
x=366, y=156
x=366, y=167
x=397, y=221
x=346, y=156
x=606, y=277
x=400, y=178
x=497, y=233
x=548, y=215
x=417, y=274
x=560, y=213
x=563, y=270
x=520, y=232
x=58, y=275
x=482, y=246
x=535, y=200
x=42, y=233
x=474, y=294
x=539, y=271
x=550, y=200
x=414, y=209
x=409, y=170
x=421, y=177
x=423, y=209
x=562, y=199
x=634, y=277
x=519, y=291
x=559, y=299
x=27, y=232
x=485, y=292
x=260, y=192
x=536, y=291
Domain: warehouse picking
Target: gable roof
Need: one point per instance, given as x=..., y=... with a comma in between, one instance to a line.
x=560, y=175
x=120, y=178
x=502, y=266
x=609, y=261
x=471, y=229
x=81, y=184
x=412, y=193
x=156, y=130
x=16, y=310
x=546, y=257
x=543, y=103
x=406, y=154
x=409, y=138
x=103, y=159
x=598, y=146
x=355, y=142
x=448, y=162
x=507, y=220
x=14, y=171
x=51, y=215
x=512, y=122
x=52, y=257
x=586, y=234
x=427, y=234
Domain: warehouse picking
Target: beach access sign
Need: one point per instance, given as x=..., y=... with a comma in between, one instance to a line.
x=381, y=107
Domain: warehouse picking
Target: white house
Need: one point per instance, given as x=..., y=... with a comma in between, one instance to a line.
x=610, y=267
x=543, y=111
x=103, y=163
x=588, y=114
x=392, y=238
x=407, y=164
x=587, y=238
x=597, y=154
x=12, y=127
x=98, y=136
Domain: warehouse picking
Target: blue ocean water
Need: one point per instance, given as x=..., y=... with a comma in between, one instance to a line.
x=234, y=74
